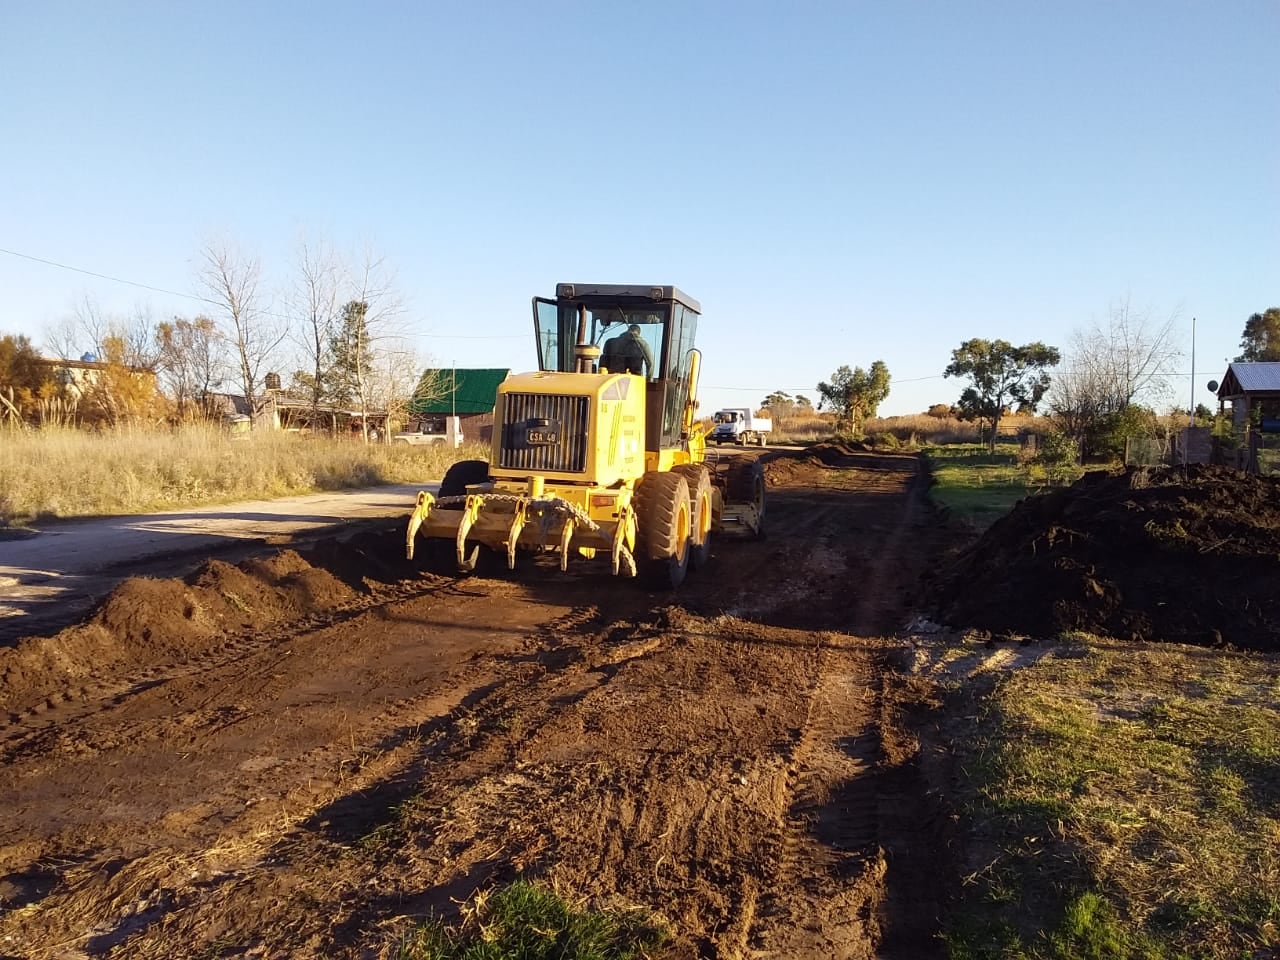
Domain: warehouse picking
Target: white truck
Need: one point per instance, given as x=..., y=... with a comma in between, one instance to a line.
x=739, y=425
x=434, y=428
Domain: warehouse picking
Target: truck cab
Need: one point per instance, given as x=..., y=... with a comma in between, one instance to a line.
x=739, y=425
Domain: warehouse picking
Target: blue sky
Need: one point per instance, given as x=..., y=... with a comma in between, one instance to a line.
x=835, y=182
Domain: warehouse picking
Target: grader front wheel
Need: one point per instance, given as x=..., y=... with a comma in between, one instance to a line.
x=663, y=529
x=699, y=481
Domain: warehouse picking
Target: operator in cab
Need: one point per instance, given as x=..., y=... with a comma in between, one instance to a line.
x=628, y=353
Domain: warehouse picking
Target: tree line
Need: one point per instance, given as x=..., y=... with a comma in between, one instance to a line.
x=335, y=336
x=1117, y=370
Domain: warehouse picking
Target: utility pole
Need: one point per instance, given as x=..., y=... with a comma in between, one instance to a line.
x=1193, y=371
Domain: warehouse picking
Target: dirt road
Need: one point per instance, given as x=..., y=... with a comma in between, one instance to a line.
x=309, y=754
x=50, y=574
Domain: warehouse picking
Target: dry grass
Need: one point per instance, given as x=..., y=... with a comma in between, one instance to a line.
x=71, y=473
x=910, y=431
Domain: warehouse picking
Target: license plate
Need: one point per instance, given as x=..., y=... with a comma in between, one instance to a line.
x=543, y=438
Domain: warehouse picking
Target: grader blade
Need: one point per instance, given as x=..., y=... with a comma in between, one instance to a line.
x=421, y=510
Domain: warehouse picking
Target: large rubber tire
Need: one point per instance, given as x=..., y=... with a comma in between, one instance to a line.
x=663, y=525
x=699, y=481
x=440, y=555
x=461, y=475
x=744, y=483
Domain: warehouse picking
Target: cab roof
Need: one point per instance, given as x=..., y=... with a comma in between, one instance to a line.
x=643, y=292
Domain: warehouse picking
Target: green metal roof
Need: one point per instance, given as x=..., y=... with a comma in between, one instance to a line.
x=461, y=391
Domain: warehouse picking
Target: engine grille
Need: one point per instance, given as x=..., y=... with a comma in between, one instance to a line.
x=569, y=455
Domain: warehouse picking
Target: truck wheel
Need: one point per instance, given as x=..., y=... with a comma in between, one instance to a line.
x=699, y=481
x=461, y=475
x=663, y=528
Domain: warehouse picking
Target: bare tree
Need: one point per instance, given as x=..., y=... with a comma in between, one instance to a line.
x=371, y=319
x=137, y=334
x=90, y=329
x=398, y=379
x=1111, y=368
x=231, y=282
x=313, y=309
x=1133, y=357
x=192, y=361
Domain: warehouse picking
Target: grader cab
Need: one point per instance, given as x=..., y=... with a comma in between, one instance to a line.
x=597, y=453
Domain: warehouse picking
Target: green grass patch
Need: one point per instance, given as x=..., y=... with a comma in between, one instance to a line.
x=74, y=473
x=980, y=487
x=527, y=921
x=975, y=484
x=1124, y=803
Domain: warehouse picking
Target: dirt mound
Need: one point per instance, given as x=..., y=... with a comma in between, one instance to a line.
x=144, y=621
x=1188, y=556
x=783, y=467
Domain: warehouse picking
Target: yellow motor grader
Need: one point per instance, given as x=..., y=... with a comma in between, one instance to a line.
x=597, y=453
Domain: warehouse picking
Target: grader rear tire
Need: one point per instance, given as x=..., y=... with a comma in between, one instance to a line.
x=663, y=529
x=699, y=481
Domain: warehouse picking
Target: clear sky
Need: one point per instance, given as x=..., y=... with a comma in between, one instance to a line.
x=837, y=183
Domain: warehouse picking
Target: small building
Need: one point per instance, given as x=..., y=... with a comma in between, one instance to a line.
x=1253, y=389
x=469, y=394
x=276, y=411
x=78, y=378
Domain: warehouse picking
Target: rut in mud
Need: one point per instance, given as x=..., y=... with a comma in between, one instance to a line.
x=310, y=753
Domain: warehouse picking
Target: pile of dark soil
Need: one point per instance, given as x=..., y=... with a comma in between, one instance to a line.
x=1186, y=556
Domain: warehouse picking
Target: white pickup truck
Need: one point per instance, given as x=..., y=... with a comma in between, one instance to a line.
x=739, y=425
x=434, y=428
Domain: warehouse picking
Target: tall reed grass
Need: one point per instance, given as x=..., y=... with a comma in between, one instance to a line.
x=74, y=473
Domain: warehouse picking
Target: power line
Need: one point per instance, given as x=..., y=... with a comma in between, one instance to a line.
x=103, y=276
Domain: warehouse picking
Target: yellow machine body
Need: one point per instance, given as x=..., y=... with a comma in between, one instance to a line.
x=570, y=449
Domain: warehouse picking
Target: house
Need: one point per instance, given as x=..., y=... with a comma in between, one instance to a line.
x=1254, y=392
x=276, y=411
x=78, y=378
x=1250, y=387
x=469, y=394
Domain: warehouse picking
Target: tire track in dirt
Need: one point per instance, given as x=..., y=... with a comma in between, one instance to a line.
x=832, y=895
x=256, y=797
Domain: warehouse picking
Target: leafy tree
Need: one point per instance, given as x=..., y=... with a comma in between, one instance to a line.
x=120, y=392
x=1111, y=432
x=21, y=376
x=782, y=406
x=1260, y=341
x=191, y=361
x=941, y=411
x=350, y=356
x=856, y=394
x=1000, y=375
